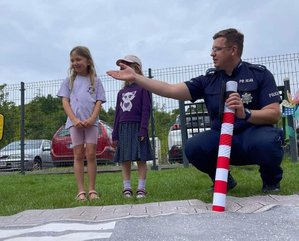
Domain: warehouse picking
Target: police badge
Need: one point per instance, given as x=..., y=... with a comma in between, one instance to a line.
x=246, y=98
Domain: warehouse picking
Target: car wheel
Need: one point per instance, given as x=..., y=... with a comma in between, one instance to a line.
x=171, y=159
x=37, y=164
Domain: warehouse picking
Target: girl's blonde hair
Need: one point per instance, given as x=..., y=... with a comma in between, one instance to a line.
x=137, y=69
x=84, y=52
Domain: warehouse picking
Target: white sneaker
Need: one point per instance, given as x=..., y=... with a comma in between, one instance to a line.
x=140, y=193
x=127, y=193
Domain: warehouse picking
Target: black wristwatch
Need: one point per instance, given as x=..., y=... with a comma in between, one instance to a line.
x=247, y=114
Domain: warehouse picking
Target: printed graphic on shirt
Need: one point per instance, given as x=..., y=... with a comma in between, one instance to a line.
x=246, y=98
x=127, y=105
x=91, y=90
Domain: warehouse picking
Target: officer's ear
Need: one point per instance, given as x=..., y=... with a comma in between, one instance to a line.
x=234, y=50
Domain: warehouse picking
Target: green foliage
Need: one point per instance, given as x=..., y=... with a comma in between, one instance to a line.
x=162, y=123
x=43, y=116
x=108, y=116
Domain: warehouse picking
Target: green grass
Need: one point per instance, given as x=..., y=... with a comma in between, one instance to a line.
x=46, y=191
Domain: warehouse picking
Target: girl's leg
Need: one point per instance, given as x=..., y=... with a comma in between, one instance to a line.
x=142, y=169
x=91, y=137
x=79, y=169
x=77, y=137
x=126, y=174
x=91, y=168
x=126, y=170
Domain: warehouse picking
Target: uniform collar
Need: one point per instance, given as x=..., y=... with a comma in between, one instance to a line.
x=236, y=70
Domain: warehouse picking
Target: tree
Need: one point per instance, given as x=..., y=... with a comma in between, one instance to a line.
x=107, y=116
x=43, y=116
x=163, y=121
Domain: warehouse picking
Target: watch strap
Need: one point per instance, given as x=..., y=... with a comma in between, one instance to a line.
x=247, y=114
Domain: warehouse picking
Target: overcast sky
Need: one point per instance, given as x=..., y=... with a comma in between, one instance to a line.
x=37, y=35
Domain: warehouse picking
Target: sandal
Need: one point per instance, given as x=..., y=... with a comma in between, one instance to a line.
x=127, y=193
x=81, y=196
x=141, y=193
x=92, y=195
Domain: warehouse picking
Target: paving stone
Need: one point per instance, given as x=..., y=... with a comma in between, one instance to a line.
x=254, y=204
x=265, y=208
x=232, y=206
x=253, y=207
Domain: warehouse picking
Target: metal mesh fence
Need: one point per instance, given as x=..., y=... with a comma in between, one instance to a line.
x=44, y=114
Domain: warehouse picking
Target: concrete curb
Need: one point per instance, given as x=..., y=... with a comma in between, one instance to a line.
x=248, y=205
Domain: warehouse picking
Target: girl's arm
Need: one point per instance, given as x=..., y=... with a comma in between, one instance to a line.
x=116, y=120
x=146, y=111
x=95, y=113
x=69, y=112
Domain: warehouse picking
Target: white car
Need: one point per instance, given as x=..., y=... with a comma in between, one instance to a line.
x=36, y=155
x=195, y=123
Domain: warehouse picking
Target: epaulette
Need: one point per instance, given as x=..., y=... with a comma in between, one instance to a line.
x=211, y=71
x=258, y=67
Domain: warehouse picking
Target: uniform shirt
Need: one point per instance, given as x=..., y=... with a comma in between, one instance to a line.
x=133, y=104
x=82, y=97
x=256, y=86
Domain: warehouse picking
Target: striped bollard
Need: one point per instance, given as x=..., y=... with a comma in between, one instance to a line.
x=227, y=127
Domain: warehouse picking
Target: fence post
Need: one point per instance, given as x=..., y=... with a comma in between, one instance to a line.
x=183, y=131
x=291, y=127
x=155, y=166
x=282, y=96
x=22, y=129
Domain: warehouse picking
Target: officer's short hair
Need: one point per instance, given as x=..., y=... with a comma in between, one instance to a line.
x=233, y=37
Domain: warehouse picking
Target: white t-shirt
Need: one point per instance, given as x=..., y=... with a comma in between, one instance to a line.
x=82, y=97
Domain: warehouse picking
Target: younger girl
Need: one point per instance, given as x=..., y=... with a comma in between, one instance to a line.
x=82, y=95
x=130, y=132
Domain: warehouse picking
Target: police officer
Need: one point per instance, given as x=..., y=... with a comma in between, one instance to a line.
x=256, y=104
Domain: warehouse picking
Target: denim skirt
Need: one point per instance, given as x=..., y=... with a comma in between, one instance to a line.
x=129, y=147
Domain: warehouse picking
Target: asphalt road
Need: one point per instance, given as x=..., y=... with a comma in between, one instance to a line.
x=259, y=218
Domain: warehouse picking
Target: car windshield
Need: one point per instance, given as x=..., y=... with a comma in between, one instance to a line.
x=28, y=144
x=34, y=144
x=196, y=120
x=64, y=132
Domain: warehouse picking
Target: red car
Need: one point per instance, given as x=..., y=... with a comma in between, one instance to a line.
x=62, y=150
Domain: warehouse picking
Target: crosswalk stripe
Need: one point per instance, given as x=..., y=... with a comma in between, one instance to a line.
x=67, y=237
x=57, y=227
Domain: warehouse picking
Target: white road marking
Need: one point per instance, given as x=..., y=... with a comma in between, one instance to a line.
x=67, y=237
x=80, y=231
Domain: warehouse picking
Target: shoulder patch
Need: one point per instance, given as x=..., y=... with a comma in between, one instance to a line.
x=211, y=71
x=258, y=67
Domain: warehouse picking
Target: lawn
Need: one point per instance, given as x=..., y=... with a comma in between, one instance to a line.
x=46, y=191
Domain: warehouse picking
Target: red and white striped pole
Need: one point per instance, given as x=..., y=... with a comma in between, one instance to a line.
x=227, y=127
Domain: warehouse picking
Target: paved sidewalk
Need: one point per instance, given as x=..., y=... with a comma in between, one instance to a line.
x=254, y=204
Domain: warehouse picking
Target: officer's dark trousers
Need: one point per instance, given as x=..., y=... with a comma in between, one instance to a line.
x=261, y=145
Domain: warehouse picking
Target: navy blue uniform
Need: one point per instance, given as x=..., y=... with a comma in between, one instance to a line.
x=252, y=144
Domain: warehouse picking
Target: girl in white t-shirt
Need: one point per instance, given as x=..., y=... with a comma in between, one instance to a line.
x=82, y=95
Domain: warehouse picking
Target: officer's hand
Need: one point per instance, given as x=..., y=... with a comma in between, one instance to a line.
x=125, y=73
x=234, y=101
